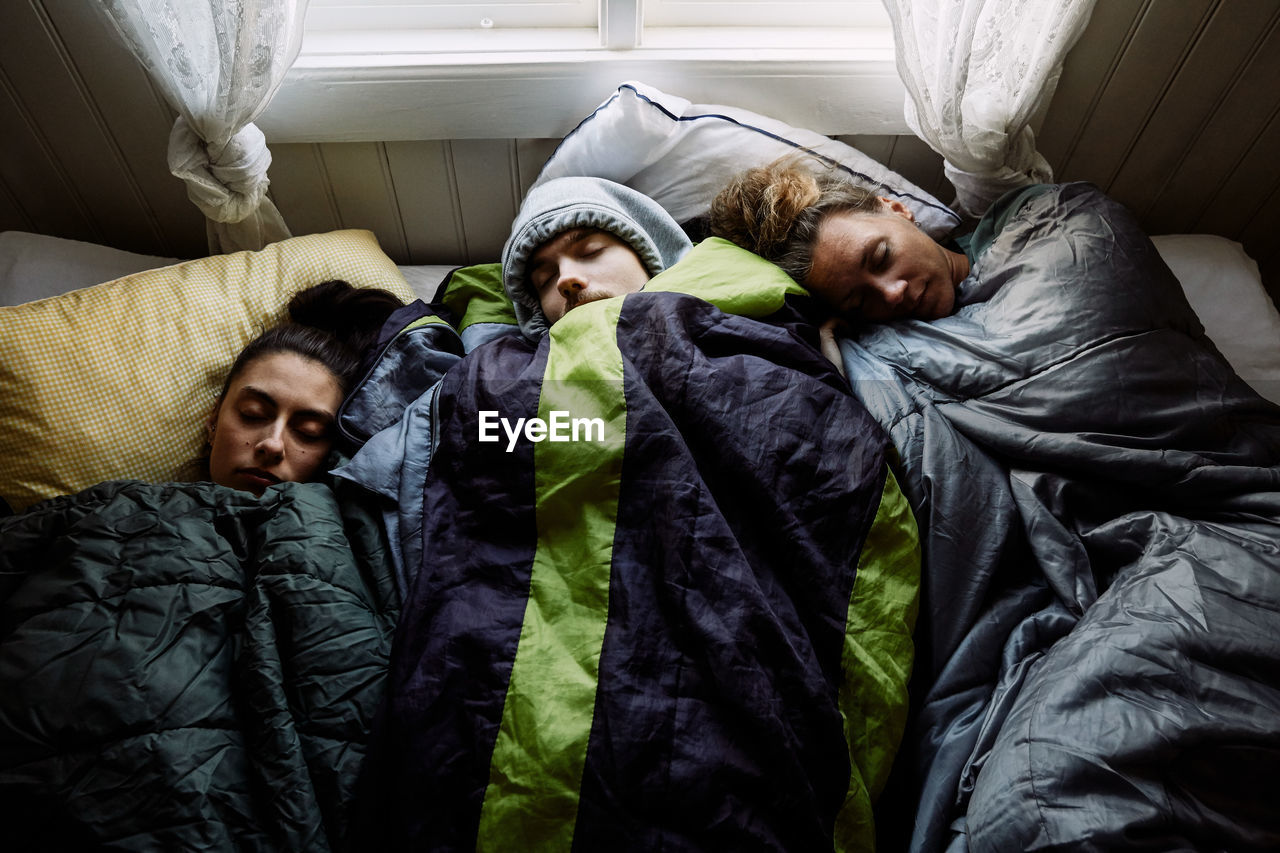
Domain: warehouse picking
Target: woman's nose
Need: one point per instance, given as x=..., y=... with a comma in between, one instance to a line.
x=893, y=290
x=270, y=445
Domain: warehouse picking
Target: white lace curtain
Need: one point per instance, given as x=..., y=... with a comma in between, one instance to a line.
x=218, y=62
x=976, y=71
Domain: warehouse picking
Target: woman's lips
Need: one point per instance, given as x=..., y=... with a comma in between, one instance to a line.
x=920, y=303
x=930, y=304
x=258, y=477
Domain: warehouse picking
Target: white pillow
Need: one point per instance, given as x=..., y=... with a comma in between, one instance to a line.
x=34, y=266
x=425, y=279
x=681, y=154
x=1225, y=290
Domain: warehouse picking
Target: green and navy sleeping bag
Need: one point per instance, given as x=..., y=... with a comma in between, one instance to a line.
x=686, y=626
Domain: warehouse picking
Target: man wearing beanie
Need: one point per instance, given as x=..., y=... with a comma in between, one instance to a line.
x=628, y=618
x=577, y=240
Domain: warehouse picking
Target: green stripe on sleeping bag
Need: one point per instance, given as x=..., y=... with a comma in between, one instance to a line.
x=475, y=295
x=531, y=802
x=877, y=661
x=731, y=278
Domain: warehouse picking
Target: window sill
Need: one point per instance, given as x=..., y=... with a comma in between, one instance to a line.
x=388, y=86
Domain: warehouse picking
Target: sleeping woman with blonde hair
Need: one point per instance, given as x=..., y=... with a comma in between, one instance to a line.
x=859, y=253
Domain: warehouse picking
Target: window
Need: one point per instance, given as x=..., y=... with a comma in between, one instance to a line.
x=451, y=14
x=377, y=70
x=617, y=24
x=794, y=13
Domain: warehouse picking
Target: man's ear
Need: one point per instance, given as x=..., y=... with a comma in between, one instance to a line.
x=894, y=206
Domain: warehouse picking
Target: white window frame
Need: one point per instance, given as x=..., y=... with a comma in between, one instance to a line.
x=346, y=15
x=355, y=84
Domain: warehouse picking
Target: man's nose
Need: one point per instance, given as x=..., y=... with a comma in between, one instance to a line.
x=570, y=283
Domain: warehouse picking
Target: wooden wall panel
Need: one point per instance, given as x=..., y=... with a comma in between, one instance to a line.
x=912, y=158
x=1212, y=65
x=135, y=121
x=878, y=148
x=1259, y=239
x=1229, y=133
x=364, y=193
x=1270, y=271
x=1243, y=195
x=909, y=157
x=427, y=190
x=531, y=156
x=1170, y=107
x=33, y=176
x=1133, y=90
x=488, y=170
x=54, y=92
x=1085, y=73
x=301, y=189
x=12, y=216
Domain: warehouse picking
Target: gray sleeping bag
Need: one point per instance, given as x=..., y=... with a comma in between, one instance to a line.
x=1099, y=503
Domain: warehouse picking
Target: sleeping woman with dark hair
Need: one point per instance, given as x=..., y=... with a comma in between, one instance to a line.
x=275, y=418
x=190, y=667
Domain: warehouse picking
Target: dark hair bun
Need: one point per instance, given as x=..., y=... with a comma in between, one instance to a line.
x=353, y=315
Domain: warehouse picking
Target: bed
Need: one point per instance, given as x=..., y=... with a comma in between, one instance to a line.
x=1074, y=482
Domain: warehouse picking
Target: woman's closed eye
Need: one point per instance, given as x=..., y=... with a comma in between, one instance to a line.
x=880, y=258
x=313, y=431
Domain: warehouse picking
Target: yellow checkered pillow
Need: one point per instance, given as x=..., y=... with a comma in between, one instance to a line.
x=115, y=381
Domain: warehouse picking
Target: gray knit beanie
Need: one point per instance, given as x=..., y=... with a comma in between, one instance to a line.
x=566, y=203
